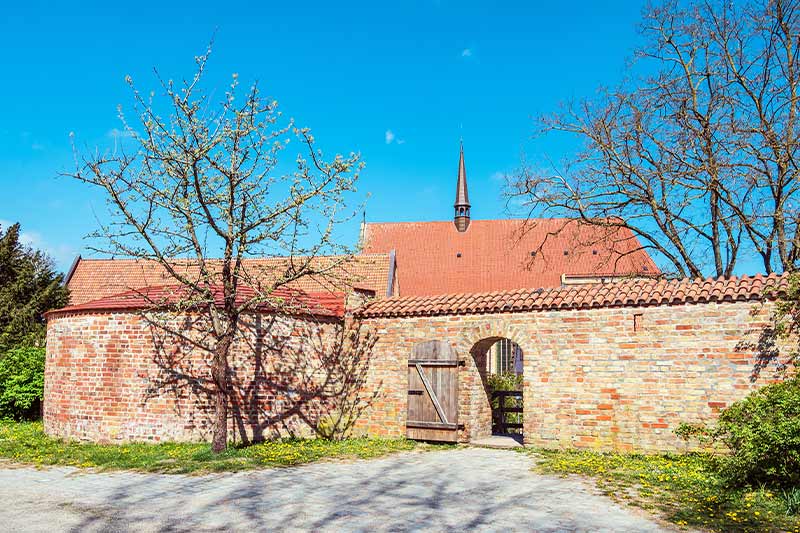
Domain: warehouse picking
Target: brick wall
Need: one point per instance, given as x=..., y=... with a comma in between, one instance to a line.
x=119, y=377
x=590, y=378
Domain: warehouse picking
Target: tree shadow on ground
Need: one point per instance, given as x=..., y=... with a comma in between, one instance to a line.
x=456, y=490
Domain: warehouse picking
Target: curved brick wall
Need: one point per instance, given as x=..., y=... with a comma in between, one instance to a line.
x=108, y=378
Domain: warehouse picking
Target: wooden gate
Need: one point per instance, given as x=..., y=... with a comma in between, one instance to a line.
x=433, y=392
x=500, y=423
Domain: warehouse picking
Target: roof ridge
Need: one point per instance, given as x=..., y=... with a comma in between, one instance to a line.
x=182, y=259
x=161, y=295
x=521, y=219
x=625, y=293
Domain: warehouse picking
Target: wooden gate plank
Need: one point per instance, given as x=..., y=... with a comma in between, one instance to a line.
x=432, y=394
x=432, y=425
x=435, y=362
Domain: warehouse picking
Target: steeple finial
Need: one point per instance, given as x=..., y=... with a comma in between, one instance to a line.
x=362, y=233
x=461, y=206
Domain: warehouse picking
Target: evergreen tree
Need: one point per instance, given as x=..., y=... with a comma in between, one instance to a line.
x=29, y=286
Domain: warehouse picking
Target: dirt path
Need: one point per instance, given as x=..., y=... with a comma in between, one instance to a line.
x=456, y=490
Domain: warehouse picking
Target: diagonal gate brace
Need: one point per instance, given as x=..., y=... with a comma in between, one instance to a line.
x=434, y=399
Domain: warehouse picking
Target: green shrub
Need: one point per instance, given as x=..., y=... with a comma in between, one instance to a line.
x=762, y=433
x=21, y=383
x=505, y=381
x=335, y=426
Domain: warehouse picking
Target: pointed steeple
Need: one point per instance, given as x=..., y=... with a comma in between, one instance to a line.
x=461, y=206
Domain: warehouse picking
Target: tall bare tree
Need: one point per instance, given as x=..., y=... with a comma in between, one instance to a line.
x=197, y=187
x=696, y=152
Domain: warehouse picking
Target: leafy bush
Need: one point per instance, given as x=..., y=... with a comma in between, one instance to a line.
x=505, y=381
x=21, y=383
x=762, y=433
x=336, y=425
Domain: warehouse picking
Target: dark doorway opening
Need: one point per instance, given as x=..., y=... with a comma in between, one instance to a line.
x=504, y=379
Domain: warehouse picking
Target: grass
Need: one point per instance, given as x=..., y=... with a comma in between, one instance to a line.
x=26, y=442
x=686, y=489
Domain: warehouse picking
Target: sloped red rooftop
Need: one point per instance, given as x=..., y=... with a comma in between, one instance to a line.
x=285, y=300
x=500, y=255
x=93, y=279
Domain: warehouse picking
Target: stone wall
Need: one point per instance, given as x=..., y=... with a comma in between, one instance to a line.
x=619, y=378
x=118, y=376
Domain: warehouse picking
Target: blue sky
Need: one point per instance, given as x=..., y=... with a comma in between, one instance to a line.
x=399, y=83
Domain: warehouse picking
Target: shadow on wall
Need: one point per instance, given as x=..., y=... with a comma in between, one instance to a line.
x=287, y=377
x=770, y=345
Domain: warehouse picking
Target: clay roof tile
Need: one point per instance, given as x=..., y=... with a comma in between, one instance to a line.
x=622, y=293
x=434, y=258
x=180, y=298
x=93, y=279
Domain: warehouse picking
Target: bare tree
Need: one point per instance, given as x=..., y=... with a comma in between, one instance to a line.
x=696, y=154
x=199, y=188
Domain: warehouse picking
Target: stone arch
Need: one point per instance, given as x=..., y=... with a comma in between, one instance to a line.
x=491, y=328
x=472, y=345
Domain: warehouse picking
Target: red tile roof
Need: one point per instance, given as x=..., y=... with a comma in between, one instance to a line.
x=93, y=279
x=288, y=301
x=434, y=258
x=628, y=293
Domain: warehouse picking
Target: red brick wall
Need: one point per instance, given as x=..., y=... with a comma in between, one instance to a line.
x=116, y=377
x=590, y=380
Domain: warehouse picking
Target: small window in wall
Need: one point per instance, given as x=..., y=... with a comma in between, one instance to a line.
x=505, y=356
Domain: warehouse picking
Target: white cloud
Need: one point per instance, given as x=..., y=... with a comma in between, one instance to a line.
x=37, y=147
x=498, y=176
x=466, y=52
x=118, y=133
x=392, y=138
x=28, y=238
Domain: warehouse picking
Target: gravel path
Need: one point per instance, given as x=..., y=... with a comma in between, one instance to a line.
x=454, y=490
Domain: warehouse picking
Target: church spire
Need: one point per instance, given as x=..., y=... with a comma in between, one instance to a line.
x=461, y=206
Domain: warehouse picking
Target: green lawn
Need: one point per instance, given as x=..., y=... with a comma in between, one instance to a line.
x=684, y=488
x=26, y=443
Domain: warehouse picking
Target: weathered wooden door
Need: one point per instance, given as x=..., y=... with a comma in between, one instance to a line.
x=433, y=392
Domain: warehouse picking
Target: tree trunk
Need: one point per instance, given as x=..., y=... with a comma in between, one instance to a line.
x=219, y=372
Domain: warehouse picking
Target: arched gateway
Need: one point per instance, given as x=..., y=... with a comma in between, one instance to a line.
x=613, y=366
